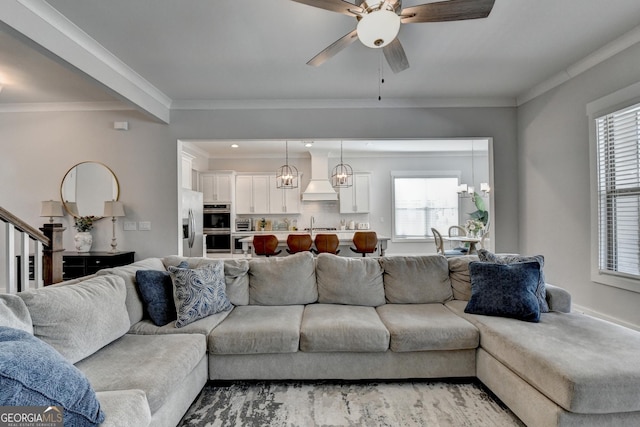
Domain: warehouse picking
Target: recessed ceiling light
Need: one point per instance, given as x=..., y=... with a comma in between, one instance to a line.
x=308, y=144
x=234, y=145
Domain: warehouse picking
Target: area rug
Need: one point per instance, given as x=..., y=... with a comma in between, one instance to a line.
x=393, y=404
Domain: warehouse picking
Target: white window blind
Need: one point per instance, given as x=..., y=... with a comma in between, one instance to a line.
x=424, y=202
x=618, y=148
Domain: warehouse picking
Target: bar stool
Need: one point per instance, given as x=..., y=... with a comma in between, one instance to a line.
x=366, y=242
x=299, y=243
x=327, y=243
x=265, y=244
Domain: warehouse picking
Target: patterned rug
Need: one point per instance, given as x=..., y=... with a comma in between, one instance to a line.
x=328, y=403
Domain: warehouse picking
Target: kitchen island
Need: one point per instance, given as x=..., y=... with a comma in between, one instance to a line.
x=345, y=238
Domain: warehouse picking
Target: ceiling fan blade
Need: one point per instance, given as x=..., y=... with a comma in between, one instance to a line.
x=340, y=6
x=452, y=10
x=397, y=59
x=334, y=48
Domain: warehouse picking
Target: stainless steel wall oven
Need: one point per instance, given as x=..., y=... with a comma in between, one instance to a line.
x=217, y=227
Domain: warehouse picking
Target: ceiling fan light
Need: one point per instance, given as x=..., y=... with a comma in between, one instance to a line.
x=379, y=28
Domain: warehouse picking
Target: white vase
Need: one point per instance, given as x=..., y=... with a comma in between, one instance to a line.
x=83, y=240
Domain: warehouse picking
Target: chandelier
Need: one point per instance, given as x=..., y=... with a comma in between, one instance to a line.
x=287, y=175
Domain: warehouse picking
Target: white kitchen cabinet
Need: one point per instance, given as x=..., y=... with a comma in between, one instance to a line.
x=252, y=194
x=286, y=201
x=357, y=198
x=217, y=186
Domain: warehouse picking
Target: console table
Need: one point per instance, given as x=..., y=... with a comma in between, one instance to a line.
x=78, y=264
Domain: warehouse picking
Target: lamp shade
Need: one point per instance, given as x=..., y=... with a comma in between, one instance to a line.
x=379, y=28
x=113, y=208
x=51, y=209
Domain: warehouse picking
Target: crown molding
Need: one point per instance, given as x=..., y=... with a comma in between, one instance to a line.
x=597, y=57
x=43, y=24
x=283, y=104
x=41, y=107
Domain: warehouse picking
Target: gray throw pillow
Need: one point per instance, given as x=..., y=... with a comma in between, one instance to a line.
x=541, y=292
x=199, y=293
x=505, y=290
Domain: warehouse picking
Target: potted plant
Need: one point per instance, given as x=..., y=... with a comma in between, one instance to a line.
x=83, y=238
x=263, y=224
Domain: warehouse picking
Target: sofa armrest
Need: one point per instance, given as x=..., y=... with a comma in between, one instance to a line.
x=558, y=299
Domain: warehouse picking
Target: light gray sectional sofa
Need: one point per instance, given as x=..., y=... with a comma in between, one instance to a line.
x=300, y=317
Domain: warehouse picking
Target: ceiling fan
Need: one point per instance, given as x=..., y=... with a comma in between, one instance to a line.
x=379, y=23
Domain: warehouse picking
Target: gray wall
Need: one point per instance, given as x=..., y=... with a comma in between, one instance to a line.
x=553, y=144
x=39, y=148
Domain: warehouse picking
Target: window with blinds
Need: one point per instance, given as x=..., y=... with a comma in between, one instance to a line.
x=420, y=203
x=618, y=164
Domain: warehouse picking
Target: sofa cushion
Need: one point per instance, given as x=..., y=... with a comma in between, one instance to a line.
x=258, y=329
x=155, y=364
x=287, y=280
x=416, y=279
x=353, y=281
x=459, y=275
x=128, y=274
x=486, y=256
x=124, y=408
x=199, y=292
x=156, y=290
x=201, y=326
x=77, y=320
x=584, y=364
x=32, y=373
x=507, y=290
x=423, y=327
x=350, y=328
x=236, y=275
x=14, y=313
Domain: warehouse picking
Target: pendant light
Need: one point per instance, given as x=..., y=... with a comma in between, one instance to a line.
x=287, y=175
x=342, y=174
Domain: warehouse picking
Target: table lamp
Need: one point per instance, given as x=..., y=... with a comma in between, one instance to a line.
x=113, y=209
x=51, y=209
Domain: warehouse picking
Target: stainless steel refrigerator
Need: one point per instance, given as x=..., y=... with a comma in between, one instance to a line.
x=192, y=236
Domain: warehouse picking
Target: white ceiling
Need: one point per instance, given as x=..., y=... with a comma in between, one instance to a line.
x=243, y=53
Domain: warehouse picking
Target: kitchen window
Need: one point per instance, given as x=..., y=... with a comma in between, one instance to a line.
x=618, y=192
x=422, y=202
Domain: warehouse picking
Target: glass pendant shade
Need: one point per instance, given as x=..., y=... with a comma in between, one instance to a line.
x=287, y=175
x=379, y=28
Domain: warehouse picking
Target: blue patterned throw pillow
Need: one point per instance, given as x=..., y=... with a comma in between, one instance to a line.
x=199, y=293
x=32, y=373
x=506, y=290
x=156, y=290
x=541, y=291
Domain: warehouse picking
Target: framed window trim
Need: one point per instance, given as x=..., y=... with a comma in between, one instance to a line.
x=616, y=101
x=416, y=174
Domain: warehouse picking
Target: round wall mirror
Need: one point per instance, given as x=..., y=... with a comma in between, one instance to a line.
x=86, y=187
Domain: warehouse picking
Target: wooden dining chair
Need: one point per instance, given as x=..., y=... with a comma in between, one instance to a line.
x=365, y=242
x=299, y=243
x=437, y=238
x=326, y=243
x=265, y=244
x=455, y=231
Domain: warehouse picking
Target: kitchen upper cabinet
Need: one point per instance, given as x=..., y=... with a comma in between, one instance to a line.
x=356, y=199
x=252, y=194
x=217, y=186
x=281, y=200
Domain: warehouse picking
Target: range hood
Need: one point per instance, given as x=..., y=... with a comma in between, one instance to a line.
x=319, y=188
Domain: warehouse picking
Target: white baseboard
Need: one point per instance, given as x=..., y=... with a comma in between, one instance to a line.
x=588, y=311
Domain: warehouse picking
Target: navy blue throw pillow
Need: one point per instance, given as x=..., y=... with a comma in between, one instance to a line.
x=506, y=290
x=156, y=289
x=32, y=373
